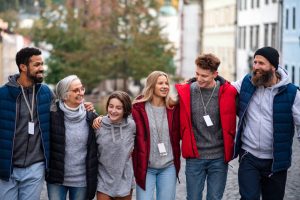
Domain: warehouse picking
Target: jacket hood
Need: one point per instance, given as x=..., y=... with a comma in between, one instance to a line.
x=218, y=78
x=284, y=78
x=106, y=123
x=12, y=80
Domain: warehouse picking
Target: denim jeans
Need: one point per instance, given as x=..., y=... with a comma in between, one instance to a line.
x=255, y=178
x=165, y=182
x=59, y=192
x=198, y=170
x=24, y=183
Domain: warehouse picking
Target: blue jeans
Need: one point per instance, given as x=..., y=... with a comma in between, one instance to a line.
x=165, y=182
x=198, y=170
x=255, y=178
x=24, y=183
x=59, y=192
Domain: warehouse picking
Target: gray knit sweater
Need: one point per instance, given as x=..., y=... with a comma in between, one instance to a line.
x=159, y=130
x=209, y=139
x=77, y=132
x=115, y=145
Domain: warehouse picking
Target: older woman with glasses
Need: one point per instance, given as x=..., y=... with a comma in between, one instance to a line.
x=73, y=150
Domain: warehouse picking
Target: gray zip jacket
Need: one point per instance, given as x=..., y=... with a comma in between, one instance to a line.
x=257, y=137
x=115, y=145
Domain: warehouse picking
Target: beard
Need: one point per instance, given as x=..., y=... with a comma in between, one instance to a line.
x=34, y=77
x=261, y=77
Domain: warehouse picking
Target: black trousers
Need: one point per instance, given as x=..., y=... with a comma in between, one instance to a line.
x=256, y=179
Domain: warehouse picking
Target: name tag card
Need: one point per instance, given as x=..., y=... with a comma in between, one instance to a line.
x=31, y=128
x=207, y=120
x=162, y=149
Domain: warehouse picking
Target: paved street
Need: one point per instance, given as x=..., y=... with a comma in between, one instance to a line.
x=231, y=191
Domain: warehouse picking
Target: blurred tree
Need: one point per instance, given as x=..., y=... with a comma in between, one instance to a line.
x=127, y=43
x=140, y=46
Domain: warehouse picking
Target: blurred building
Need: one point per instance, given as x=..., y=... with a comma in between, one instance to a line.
x=10, y=43
x=218, y=33
x=92, y=10
x=169, y=19
x=291, y=39
x=258, y=25
x=189, y=39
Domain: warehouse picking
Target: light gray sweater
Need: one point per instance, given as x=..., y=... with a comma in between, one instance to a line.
x=77, y=131
x=115, y=145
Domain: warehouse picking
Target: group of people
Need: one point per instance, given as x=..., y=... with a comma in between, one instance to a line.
x=137, y=144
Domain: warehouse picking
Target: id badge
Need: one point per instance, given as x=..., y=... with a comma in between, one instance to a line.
x=31, y=128
x=162, y=149
x=207, y=120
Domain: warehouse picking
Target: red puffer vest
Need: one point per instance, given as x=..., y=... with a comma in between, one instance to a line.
x=227, y=99
x=141, y=150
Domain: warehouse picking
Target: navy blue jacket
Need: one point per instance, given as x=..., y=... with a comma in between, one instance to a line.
x=283, y=122
x=8, y=109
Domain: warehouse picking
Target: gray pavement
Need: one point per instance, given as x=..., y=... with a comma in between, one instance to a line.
x=292, y=191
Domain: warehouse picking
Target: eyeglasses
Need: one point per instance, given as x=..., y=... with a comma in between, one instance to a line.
x=78, y=90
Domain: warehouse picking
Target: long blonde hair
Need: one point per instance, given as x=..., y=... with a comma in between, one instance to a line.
x=148, y=91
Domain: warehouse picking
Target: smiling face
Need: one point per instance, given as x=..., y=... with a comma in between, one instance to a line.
x=161, y=87
x=205, y=77
x=34, y=71
x=115, y=110
x=75, y=94
x=262, y=71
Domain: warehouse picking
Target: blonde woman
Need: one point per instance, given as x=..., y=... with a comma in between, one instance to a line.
x=156, y=155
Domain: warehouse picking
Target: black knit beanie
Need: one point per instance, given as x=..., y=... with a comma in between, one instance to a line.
x=270, y=54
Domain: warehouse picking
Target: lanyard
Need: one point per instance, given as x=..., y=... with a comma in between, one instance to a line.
x=27, y=101
x=158, y=129
x=205, y=106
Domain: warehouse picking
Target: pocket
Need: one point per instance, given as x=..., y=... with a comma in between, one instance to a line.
x=242, y=155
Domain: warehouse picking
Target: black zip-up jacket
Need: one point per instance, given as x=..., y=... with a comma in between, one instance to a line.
x=55, y=174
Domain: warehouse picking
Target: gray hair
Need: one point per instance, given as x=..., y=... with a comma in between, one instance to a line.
x=63, y=86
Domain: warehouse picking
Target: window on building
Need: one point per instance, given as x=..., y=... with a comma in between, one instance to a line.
x=273, y=35
x=287, y=19
x=293, y=74
x=240, y=2
x=244, y=37
x=251, y=37
x=266, y=35
x=294, y=18
x=245, y=4
x=274, y=1
x=266, y=1
x=257, y=3
x=239, y=40
x=252, y=3
x=256, y=37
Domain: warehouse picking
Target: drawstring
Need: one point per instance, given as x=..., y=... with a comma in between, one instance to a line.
x=113, y=134
x=121, y=132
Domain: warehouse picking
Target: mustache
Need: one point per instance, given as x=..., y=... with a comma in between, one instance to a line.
x=261, y=77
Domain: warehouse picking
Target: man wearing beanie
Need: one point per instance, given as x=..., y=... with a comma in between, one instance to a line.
x=269, y=115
